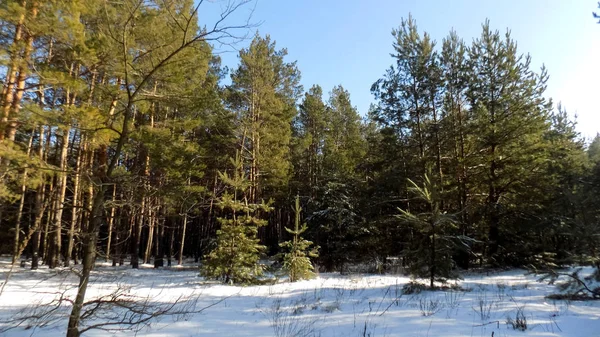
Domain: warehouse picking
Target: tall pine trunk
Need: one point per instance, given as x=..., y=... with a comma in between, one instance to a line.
x=61, y=187
x=16, y=252
x=11, y=74
x=76, y=205
x=13, y=117
x=39, y=209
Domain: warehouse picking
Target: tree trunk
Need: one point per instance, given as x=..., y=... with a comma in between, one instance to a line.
x=160, y=241
x=89, y=239
x=122, y=216
x=49, y=217
x=183, y=229
x=21, y=77
x=111, y=222
x=494, y=217
x=137, y=231
x=16, y=253
x=61, y=188
x=39, y=210
x=11, y=74
x=171, y=245
x=432, y=261
x=148, y=251
x=75, y=210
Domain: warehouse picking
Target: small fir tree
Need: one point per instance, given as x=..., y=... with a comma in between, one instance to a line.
x=296, y=262
x=235, y=258
x=431, y=250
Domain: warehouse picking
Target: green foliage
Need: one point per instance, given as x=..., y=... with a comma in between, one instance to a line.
x=510, y=116
x=236, y=255
x=510, y=181
x=573, y=286
x=343, y=143
x=18, y=168
x=296, y=260
x=477, y=119
x=263, y=93
x=309, y=130
x=329, y=149
x=336, y=226
x=430, y=252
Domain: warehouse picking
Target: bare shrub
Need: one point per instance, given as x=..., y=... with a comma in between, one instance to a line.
x=452, y=301
x=285, y=323
x=501, y=291
x=430, y=307
x=483, y=306
x=520, y=320
x=413, y=287
x=119, y=310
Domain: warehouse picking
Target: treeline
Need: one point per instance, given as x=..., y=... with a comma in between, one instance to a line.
x=116, y=124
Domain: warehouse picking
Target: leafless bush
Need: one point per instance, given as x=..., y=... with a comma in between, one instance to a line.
x=368, y=329
x=483, y=306
x=397, y=300
x=430, y=307
x=39, y=314
x=119, y=310
x=413, y=287
x=520, y=286
x=501, y=291
x=560, y=310
x=520, y=320
x=285, y=323
x=452, y=301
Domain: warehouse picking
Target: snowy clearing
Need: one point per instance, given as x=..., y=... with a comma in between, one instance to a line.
x=332, y=305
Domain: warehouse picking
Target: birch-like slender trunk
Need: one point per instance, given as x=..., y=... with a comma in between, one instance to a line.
x=181, y=245
x=151, y=225
x=111, y=220
x=61, y=188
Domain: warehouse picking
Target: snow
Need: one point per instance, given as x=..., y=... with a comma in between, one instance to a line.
x=330, y=305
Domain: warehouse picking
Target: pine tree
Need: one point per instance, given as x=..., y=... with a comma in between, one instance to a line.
x=414, y=81
x=593, y=149
x=510, y=115
x=338, y=150
x=343, y=143
x=453, y=63
x=410, y=126
x=263, y=93
x=296, y=261
x=236, y=255
x=309, y=133
x=430, y=252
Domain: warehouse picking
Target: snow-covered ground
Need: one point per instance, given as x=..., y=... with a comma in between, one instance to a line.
x=331, y=305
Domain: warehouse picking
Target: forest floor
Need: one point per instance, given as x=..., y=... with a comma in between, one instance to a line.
x=494, y=304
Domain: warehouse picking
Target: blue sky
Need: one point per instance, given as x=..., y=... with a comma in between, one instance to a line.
x=348, y=42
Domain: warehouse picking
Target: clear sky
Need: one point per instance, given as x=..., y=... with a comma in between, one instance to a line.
x=348, y=42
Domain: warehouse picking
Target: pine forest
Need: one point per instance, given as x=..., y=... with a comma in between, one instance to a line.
x=126, y=143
